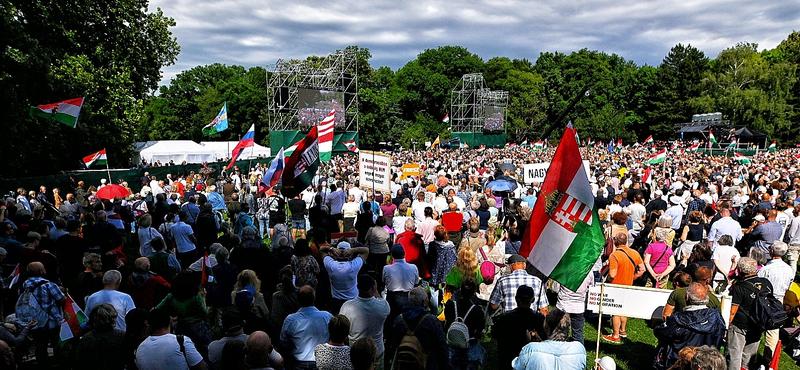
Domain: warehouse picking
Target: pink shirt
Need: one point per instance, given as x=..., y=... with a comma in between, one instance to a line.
x=655, y=250
x=426, y=229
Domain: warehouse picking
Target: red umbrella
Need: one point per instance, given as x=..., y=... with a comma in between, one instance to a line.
x=112, y=191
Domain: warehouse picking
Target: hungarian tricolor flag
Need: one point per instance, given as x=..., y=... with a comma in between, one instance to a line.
x=65, y=112
x=98, y=158
x=539, y=145
x=738, y=157
x=657, y=157
x=351, y=146
x=649, y=140
x=302, y=166
x=772, y=147
x=711, y=138
x=647, y=177
x=564, y=238
x=732, y=145
x=74, y=318
x=247, y=141
x=446, y=118
x=325, y=130
x=14, y=277
x=694, y=147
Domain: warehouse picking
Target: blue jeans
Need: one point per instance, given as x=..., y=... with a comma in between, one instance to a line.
x=576, y=321
x=263, y=226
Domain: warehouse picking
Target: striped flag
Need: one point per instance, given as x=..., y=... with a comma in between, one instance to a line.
x=14, y=277
x=649, y=140
x=74, y=318
x=247, y=141
x=772, y=147
x=694, y=147
x=732, y=145
x=539, y=145
x=564, y=238
x=657, y=157
x=302, y=166
x=66, y=111
x=275, y=170
x=446, y=118
x=711, y=138
x=98, y=158
x=325, y=130
x=351, y=146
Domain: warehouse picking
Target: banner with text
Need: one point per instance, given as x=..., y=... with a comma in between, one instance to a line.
x=535, y=172
x=374, y=170
x=638, y=302
x=410, y=170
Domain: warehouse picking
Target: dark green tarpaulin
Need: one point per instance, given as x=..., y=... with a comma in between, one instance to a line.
x=476, y=139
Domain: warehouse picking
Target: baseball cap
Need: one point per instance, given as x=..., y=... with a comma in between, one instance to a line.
x=606, y=363
x=515, y=258
x=343, y=245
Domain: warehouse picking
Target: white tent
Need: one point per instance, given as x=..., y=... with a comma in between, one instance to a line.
x=176, y=151
x=222, y=150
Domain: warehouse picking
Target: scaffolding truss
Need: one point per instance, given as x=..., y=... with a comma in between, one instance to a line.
x=476, y=108
x=336, y=73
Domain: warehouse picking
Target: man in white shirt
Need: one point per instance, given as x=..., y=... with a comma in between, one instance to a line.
x=162, y=350
x=122, y=302
x=780, y=275
x=637, y=213
x=726, y=225
x=675, y=211
x=359, y=195
x=418, y=207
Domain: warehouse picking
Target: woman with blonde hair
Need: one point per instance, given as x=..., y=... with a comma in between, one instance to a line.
x=466, y=267
x=247, y=297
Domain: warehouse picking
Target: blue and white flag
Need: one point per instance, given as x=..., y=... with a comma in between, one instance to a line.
x=220, y=122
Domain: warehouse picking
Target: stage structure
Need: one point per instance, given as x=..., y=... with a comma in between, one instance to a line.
x=302, y=92
x=477, y=113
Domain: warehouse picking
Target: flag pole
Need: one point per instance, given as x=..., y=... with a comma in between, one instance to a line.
x=599, y=319
x=108, y=171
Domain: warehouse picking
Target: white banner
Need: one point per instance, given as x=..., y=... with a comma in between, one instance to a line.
x=374, y=171
x=536, y=172
x=637, y=302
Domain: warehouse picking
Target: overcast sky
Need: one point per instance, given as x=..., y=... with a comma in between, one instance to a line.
x=251, y=32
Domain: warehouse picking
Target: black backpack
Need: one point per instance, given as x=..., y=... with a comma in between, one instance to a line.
x=767, y=312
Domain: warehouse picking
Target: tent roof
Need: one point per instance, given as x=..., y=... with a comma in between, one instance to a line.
x=169, y=146
x=746, y=132
x=694, y=128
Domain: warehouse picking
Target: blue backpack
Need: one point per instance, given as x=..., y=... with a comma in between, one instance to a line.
x=29, y=309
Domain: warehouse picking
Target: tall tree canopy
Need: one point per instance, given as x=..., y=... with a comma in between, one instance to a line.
x=109, y=52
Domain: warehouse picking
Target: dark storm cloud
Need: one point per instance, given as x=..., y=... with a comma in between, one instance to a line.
x=251, y=32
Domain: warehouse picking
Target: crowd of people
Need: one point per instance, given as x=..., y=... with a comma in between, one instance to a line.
x=212, y=269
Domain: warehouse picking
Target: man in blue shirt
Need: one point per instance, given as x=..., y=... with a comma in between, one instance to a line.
x=184, y=240
x=343, y=264
x=529, y=198
x=303, y=330
x=191, y=208
x=335, y=201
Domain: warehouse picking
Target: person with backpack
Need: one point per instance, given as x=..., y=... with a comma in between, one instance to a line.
x=465, y=321
x=40, y=301
x=749, y=297
x=163, y=350
x=417, y=340
x=780, y=275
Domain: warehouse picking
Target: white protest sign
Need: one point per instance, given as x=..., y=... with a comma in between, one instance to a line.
x=536, y=172
x=637, y=302
x=628, y=301
x=374, y=171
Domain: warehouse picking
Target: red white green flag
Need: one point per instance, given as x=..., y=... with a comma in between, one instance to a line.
x=351, y=146
x=301, y=166
x=694, y=147
x=649, y=140
x=98, y=158
x=564, y=238
x=65, y=112
x=657, y=157
x=74, y=320
x=325, y=130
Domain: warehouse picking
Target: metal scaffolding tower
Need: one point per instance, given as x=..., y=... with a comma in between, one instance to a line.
x=473, y=105
x=336, y=72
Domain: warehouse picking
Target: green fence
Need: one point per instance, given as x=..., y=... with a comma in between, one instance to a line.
x=476, y=139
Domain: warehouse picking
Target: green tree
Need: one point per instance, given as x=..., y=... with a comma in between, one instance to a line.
x=679, y=80
x=749, y=90
x=194, y=97
x=110, y=53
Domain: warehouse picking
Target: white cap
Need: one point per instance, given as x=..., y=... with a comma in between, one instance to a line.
x=606, y=363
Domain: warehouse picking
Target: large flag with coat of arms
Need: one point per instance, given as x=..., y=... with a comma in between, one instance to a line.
x=564, y=238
